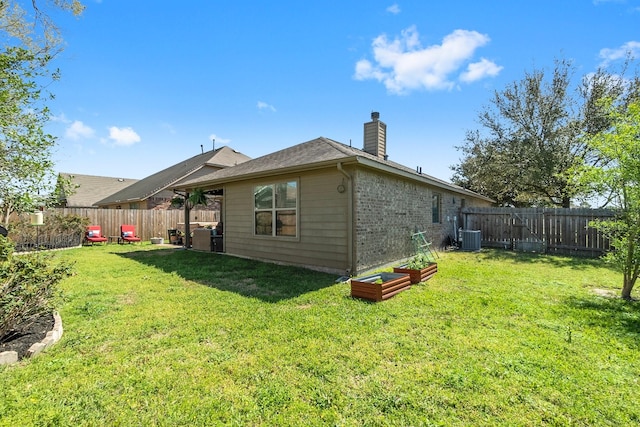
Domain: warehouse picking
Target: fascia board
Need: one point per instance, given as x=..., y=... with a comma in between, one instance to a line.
x=266, y=174
x=420, y=178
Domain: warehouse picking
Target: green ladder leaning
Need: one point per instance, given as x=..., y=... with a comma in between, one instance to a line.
x=423, y=246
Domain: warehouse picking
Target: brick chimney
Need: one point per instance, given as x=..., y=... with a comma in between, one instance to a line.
x=375, y=137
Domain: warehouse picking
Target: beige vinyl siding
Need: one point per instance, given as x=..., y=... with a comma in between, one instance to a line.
x=322, y=211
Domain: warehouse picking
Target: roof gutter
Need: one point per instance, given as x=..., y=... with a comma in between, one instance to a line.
x=421, y=178
x=260, y=174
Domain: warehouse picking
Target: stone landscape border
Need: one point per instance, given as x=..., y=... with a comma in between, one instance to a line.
x=53, y=336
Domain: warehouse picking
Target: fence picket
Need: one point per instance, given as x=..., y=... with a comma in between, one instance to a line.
x=149, y=223
x=559, y=231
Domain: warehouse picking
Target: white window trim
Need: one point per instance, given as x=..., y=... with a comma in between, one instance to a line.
x=274, y=210
x=438, y=207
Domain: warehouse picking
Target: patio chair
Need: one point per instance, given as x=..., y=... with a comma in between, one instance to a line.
x=128, y=234
x=94, y=235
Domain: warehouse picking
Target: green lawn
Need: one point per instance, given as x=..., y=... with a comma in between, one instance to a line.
x=160, y=336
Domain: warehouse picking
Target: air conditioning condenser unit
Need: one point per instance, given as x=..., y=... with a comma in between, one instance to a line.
x=470, y=240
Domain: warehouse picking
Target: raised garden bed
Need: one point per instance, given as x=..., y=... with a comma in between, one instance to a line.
x=417, y=276
x=379, y=286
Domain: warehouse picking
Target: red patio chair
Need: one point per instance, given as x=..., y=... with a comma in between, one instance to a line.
x=128, y=234
x=94, y=235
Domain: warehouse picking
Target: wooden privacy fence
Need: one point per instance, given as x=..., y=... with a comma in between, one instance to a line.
x=558, y=231
x=148, y=223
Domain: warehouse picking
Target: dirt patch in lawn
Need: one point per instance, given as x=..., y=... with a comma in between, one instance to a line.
x=25, y=334
x=607, y=293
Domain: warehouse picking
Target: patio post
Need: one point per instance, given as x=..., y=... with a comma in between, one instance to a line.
x=187, y=224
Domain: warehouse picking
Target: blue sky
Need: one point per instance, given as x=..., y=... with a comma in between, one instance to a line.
x=145, y=84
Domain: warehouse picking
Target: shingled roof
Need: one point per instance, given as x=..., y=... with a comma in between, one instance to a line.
x=316, y=153
x=90, y=189
x=214, y=160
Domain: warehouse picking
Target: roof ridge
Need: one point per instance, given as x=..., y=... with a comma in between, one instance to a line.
x=173, y=181
x=343, y=148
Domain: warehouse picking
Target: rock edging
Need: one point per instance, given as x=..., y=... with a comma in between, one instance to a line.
x=53, y=336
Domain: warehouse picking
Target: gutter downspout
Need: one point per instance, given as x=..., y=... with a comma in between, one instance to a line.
x=351, y=268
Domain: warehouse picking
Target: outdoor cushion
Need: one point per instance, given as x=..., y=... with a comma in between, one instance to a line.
x=128, y=233
x=94, y=234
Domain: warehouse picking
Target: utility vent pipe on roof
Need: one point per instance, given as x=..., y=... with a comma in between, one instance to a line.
x=375, y=137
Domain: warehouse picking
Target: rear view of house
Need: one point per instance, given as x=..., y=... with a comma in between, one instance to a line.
x=328, y=206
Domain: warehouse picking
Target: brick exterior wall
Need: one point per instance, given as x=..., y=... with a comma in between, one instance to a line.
x=389, y=209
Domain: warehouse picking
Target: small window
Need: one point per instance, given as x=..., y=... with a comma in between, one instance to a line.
x=276, y=209
x=435, y=208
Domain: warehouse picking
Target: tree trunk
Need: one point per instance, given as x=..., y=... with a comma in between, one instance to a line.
x=6, y=213
x=627, y=287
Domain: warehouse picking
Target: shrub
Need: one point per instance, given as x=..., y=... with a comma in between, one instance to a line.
x=54, y=223
x=28, y=286
x=6, y=249
x=58, y=231
x=419, y=261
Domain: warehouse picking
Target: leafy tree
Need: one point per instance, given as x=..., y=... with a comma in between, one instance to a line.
x=25, y=149
x=197, y=197
x=619, y=175
x=18, y=28
x=26, y=167
x=533, y=136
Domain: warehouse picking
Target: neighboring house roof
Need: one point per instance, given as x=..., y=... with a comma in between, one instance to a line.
x=90, y=189
x=223, y=157
x=317, y=153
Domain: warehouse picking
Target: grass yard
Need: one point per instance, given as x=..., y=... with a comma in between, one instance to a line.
x=159, y=336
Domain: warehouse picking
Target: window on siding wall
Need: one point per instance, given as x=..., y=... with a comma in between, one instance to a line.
x=276, y=209
x=435, y=207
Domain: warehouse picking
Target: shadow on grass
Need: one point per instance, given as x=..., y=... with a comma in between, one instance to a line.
x=576, y=262
x=613, y=313
x=255, y=279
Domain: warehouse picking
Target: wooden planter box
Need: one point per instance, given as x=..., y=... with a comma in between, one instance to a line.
x=392, y=283
x=418, y=276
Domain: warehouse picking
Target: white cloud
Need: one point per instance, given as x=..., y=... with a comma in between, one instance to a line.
x=480, y=70
x=219, y=141
x=78, y=130
x=610, y=55
x=404, y=65
x=264, y=106
x=394, y=9
x=597, y=2
x=612, y=80
x=123, y=136
x=61, y=118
